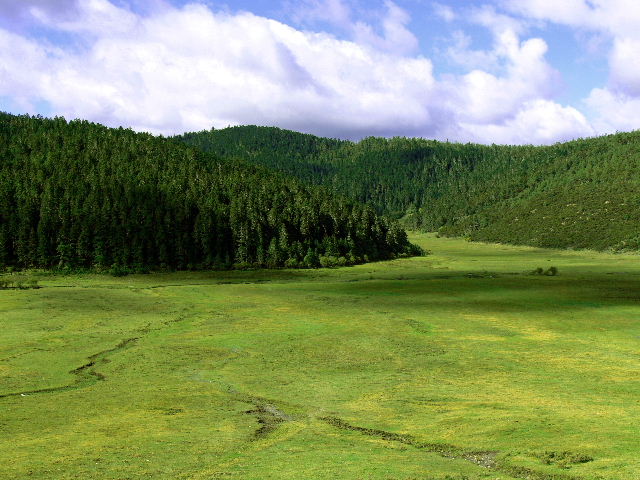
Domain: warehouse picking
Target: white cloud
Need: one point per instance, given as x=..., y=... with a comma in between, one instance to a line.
x=536, y=122
x=445, y=12
x=95, y=17
x=566, y=11
x=335, y=12
x=460, y=52
x=498, y=23
x=613, y=111
x=618, y=17
x=394, y=37
x=15, y=12
x=517, y=106
x=625, y=66
x=612, y=105
x=507, y=97
x=192, y=68
x=506, y=32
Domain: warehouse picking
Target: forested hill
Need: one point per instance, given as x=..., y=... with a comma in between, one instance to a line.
x=580, y=194
x=306, y=157
x=80, y=195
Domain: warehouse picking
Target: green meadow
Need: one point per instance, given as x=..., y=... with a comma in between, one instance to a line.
x=459, y=365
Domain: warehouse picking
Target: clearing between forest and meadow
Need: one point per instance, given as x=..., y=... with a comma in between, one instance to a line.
x=457, y=365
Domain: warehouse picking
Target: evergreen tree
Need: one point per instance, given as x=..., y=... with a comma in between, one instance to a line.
x=80, y=195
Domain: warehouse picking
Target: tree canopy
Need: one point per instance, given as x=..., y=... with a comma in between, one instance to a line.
x=81, y=195
x=580, y=194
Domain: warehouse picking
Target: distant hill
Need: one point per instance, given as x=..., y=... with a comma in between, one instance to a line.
x=80, y=195
x=580, y=194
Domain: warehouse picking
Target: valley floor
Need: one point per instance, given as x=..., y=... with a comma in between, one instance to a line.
x=458, y=365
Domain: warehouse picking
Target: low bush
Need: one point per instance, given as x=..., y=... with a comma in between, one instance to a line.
x=328, y=261
x=291, y=263
x=19, y=284
x=564, y=459
x=549, y=272
x=119, y=271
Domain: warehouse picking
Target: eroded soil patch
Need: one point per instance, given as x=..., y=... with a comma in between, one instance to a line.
x=485, y=459
x=86, y=375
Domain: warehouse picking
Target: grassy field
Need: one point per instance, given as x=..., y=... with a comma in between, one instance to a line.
x=458, y=365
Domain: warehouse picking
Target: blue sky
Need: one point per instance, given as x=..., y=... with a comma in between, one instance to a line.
x=494, y=71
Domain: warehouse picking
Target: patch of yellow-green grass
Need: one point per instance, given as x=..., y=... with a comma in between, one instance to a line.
x=458, y=365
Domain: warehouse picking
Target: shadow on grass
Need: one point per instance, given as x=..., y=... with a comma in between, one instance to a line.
x=500, y=293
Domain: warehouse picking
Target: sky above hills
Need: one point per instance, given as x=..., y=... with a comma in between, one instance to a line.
x=494, y=71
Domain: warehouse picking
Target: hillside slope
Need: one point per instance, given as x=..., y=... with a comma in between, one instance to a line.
x=80, y=195
x=580, y=194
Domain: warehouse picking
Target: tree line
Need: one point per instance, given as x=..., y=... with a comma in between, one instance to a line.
x=581, y=194
x=80, y=195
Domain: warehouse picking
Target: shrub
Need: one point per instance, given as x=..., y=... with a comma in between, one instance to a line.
x=118, y=270
x=328, y=261
x=551, y=272
x=415, y=251
x=291, y=263
x=141, y=269
x=563, y=459
x=311, y=259
x=243, y=266
x=629, y=245
x=19, y=284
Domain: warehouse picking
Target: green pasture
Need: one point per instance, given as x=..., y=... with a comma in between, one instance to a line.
x=454, y=366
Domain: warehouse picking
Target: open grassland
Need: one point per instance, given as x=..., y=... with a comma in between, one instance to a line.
x=458, y=365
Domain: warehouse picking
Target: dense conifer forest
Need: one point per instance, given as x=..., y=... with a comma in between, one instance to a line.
x=580, y=194
x=79, y=195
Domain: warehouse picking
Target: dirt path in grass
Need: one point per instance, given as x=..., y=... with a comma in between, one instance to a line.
x=86, y=375
x=270, y=417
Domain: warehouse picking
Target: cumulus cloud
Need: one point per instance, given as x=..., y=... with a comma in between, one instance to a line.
x=508, y=94
x=460, y=52
x=613, y=104
x=535, y=122
x=392, y=35
x=396, y=38
x=92, y=17
x=505, y=31
x=625, y=65
x=618, y=17
x=613, y=111
x=191, y=68
x=517, y=106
